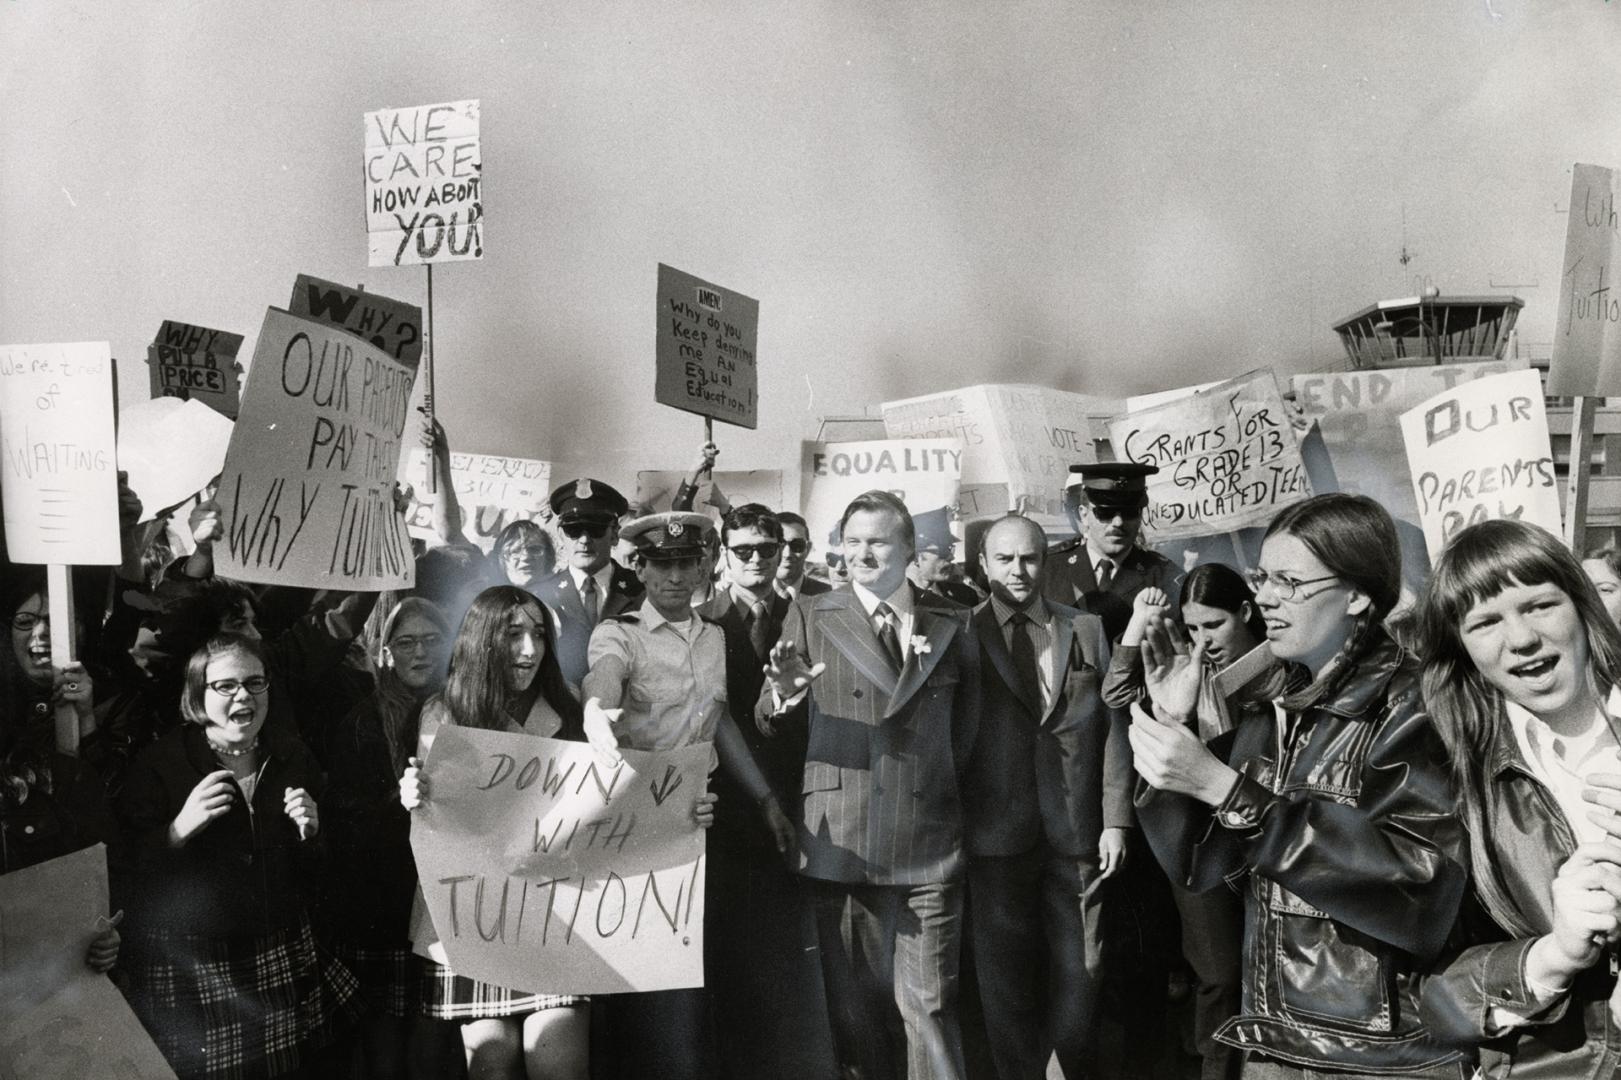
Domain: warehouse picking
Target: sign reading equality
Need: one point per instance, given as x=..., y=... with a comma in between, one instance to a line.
x=705, y=351
x=424, y=185
x=307, y=493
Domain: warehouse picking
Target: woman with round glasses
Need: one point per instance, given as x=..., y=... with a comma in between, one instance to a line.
x=1332, y=808
x=523, y=555
x=1522, y=664
x=221, y=824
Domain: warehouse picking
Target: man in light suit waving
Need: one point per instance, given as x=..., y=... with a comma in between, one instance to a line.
x=884, y=679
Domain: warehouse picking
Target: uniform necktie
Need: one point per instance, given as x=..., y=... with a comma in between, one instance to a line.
x=588, y=599
x=1105, y=573
x=883, y=618
x=1023, y=649
x=759, y=629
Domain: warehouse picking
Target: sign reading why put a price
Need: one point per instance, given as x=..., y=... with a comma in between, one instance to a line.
x=705, y=350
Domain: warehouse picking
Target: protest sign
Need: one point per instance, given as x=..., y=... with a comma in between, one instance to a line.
x=85, y=1031
x=493, y=491
x=1359, y=415
x=1481, y=451
x=546, y=871
x=194, y=362
x=59, y=480
x=1227, y=458
x=717, y=493
x=391, y=325
x=922, y=473
x=704, y=356
x=171, y=449
x=424, y=184
x=1587, y=324
x=307, y=492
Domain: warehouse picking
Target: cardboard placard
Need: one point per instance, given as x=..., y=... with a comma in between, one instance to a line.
x=58, y=462
x=922, y=473
x=1587, y=326
x=1481, y=451
x=705, y=352
x=391, y=325
x=307, y=493
x=197, y=363
x=1227, y=458
x=171, y=449
x=424, y=184
x=545, y=871
x=492, y=490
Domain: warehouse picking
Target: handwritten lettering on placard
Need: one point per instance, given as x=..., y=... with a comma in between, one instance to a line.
x=705, y=349
x=189, y=362
x=391, y=325
x=1587, y=326
x=307, y=490
x=922, y=473
x=58, y=464
x=492, y=491
x=424, y=184
x=545, y=870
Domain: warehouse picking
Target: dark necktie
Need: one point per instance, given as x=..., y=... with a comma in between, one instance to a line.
x=884, y=622
x=588, y=599
x=1023, y=649
x=759, y=629
x=1105, y=574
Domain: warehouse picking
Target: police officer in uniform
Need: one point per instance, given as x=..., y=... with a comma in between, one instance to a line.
x=588, y=585
x=1102, y=569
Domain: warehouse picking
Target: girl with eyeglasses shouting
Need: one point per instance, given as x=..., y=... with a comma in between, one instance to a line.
x=1331, y=810
x=222, y=829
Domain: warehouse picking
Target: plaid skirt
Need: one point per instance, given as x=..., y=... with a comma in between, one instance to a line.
x=449, y=996
x=240, y=1008
x=390, y=979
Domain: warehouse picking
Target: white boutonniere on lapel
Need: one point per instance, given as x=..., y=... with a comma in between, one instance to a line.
x=920, y=645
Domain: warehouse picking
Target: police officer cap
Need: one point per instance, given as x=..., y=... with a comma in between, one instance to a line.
x=668, y=536
x=587, y=500
x=1113, y=484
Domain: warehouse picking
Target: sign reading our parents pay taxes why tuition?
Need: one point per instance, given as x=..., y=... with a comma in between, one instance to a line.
x=307, y=493
x=705, y=351
x=1227, y=458
x=424, y=184
x=546, y=871
x=922, y=473
x=58, y=463
x=1587, y=324
x=1481, y=451
x=196, y=363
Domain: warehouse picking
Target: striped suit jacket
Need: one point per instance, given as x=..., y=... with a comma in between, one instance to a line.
x=884, y=754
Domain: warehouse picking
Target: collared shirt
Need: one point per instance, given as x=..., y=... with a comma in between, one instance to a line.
x=790, y=589
x=745, y=600
x=673, y=675
x=1564, y=765
x=900, y=603
x=1096, y=557
x=604, y=579
x=1040, y=630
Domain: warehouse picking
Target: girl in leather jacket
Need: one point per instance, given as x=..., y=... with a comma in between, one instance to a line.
x=1521, y=668
x=1332, y=809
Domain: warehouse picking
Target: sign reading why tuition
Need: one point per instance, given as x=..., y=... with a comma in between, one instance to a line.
x=492, y=492
x=424, y=184
x=392, y=325
x=1481, y=451
x=58, y=465
x=545, y=871
x=1227, y=458
x=922, y=473
x=705, y=350
x=194, y=362
x=1587, y=325
x=307, y=493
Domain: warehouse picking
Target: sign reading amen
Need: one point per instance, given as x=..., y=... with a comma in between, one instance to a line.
x=194, y=362
x=1481, y=451
x=307, y=493
x=392, y=325
x=58, y=466
x=1587, y=326
x=424, y=184
x=705, y=352
x=545, y=871
x=1227, y=458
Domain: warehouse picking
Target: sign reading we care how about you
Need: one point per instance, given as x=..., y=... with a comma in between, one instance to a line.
x=58, y=463
x=424, y=184
x=307, y=493
x=705, y=351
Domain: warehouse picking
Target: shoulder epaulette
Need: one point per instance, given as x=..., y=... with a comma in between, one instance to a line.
x=629, y=617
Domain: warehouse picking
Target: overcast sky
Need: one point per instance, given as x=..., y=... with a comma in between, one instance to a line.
x=1110, y=198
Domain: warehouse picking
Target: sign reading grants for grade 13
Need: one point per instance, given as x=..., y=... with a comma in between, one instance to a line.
x=307, y=493
x=424, y=184
x=705, y=353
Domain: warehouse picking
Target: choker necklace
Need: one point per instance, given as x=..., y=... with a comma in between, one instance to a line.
x=244, y=752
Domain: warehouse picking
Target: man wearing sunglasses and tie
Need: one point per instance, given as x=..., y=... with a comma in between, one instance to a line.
x=588, y=585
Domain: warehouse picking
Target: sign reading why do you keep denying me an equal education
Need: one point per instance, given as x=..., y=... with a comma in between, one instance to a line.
x=58, y=463
x=545, y=871
x=424, y=184
x=705, y=352
x=1227, y=458
x=307, y=493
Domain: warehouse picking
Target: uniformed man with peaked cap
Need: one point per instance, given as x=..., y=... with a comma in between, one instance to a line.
x=588, y=585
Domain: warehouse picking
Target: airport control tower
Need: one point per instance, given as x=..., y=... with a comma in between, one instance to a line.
x=1429, y=329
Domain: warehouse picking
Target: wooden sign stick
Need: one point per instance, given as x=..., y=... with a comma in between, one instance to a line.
x=1581, y=454
x=59, y=590
x=427, y=375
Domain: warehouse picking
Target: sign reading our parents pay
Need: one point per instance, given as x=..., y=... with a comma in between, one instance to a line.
x=424, y=184
x=308, y=487
x=58, y=467
x=705, y=352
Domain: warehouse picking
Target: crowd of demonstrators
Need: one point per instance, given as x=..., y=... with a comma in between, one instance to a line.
x=1377, y=855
